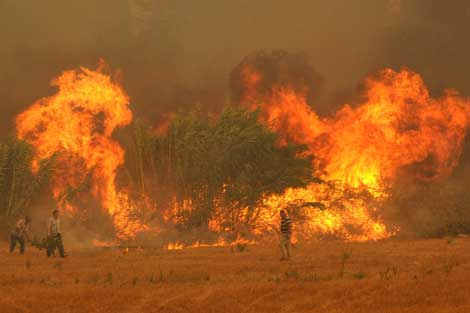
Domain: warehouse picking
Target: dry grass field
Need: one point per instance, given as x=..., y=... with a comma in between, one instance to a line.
x=326, y=276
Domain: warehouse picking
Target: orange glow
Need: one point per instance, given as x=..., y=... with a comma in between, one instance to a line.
x=359, y=152
x=103, y=244
x=77, y=123
x=220, y=243
x=174, y=246
x=398, y=128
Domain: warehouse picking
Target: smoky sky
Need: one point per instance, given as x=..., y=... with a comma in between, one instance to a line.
x=178, y=54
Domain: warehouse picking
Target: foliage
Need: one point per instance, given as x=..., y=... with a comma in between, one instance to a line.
x=19, y=185
x=221, y=167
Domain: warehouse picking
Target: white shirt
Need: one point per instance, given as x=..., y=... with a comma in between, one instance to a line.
x=54, y=226
x=21, y=228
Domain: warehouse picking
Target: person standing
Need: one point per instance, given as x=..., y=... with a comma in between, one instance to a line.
x=54, y=235
x=286, y=233
x=20, y=233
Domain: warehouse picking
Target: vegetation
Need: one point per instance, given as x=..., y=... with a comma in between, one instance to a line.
x=222, y=167
x=19, y=185
x=384, y=276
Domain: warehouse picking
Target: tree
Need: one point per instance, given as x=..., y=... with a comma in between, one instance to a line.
x=216, y=170
x=19, y=185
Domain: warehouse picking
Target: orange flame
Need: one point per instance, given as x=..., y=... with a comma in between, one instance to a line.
x=103, y=244
x=219, y=243
x=175, y=246
x=77, y=122
x=360, y=151
x=398, y=128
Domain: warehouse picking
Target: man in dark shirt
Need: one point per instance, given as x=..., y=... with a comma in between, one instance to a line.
x=286, y=233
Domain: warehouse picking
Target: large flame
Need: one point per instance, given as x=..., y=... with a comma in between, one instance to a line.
x=359, y=152
x=77, y=123
x=399, y=127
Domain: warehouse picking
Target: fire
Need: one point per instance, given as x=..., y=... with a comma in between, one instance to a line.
x=399, y=128
x=219, y=243
x=103, y=244
x=174, y=246
x=359, y=152
x=77, y=124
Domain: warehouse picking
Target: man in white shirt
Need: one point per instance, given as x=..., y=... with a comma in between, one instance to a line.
x=20, y=233
x=54, y=236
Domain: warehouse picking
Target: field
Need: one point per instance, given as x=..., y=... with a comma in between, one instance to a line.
x=324, y=276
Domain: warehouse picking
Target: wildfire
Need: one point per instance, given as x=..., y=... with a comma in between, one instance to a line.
x=359, y=152
x=77, y=124
x=174, y=246
x=398, y=128
x=240, y=242
x=103, y=244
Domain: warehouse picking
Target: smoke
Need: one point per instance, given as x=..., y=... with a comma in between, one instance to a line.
x=430, y=38
x=170, y=49
x=278, y=68
x=175, y=55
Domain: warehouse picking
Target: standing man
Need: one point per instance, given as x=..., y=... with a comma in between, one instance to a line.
x=286, y=233
x=20, y=233
x=54, y=236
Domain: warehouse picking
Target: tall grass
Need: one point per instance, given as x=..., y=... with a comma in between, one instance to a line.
x=20, y=186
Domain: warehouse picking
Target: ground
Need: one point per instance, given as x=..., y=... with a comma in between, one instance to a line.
x=324, y=276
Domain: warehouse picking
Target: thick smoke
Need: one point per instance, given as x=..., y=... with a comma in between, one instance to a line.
x=431, y=38
x=278, y=68
x=175, y=55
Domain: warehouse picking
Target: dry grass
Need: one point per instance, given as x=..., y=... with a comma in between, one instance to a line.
x=390, y=276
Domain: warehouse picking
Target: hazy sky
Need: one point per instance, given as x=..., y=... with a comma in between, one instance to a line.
x=179, y=53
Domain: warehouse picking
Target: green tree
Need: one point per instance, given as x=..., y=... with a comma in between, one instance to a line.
x=19, y=185
x=223, y=167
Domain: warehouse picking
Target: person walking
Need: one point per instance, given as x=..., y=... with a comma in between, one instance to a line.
x=286, y=233
x=54, y=235
x=20, y=233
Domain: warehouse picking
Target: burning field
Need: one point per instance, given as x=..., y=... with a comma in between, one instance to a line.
x=334, y=174
x=181, y=215
x=398, y=129
x=174, y=147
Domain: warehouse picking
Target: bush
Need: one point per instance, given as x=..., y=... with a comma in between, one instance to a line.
x=216, y=169
x=19, y=185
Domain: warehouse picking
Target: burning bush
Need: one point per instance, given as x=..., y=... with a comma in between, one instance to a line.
x=232, y=173
x=217, y=171
x=399, y=127
x=76, y=124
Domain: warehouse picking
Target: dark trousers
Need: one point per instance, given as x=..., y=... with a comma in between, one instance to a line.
x=55, y=242
x=13, y=239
